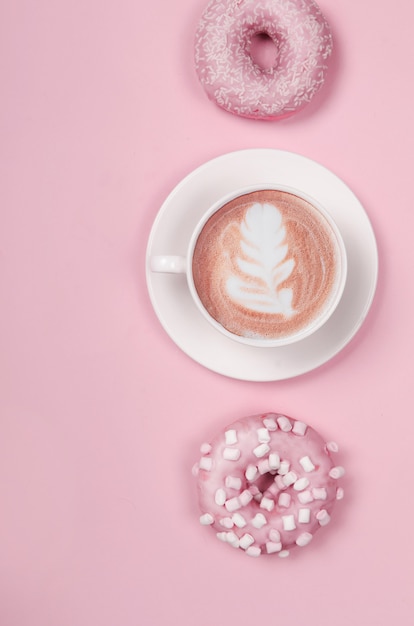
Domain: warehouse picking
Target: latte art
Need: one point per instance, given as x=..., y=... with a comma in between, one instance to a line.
x=265, y=265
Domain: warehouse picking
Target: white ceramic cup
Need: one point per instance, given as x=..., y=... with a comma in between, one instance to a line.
x=270, y=222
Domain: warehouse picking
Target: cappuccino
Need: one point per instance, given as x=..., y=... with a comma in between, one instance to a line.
x=267, y=265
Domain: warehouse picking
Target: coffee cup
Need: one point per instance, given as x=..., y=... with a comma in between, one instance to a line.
x=265, y=265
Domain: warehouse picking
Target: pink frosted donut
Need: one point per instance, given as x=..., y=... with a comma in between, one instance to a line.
x=232, y=79
x=267, y=483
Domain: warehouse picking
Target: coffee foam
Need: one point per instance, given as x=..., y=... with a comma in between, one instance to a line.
x=264, y=265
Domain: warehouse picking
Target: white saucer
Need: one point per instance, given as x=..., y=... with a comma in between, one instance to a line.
x=171, y=232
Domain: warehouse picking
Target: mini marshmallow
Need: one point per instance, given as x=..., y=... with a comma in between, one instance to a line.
x=283, y=554
x=319, y=493
x=274, y=535
x=232, y=504
x=206, y=463
x=299, y=428
x=307, y=464
x=332, y=446
x=263, y=466
x=195, y=469
x=272, y=547
x=220, y=497
x=253, y=551
x=323, y=517
x=305, y=497
x=263, y=435
x=231, y=454
x=289, y=479
x=339, y=493
x=267, y=503
x=226, y=522
x=245, y=541
x=222, y=536
x=206, y=519
x=279, y=482
x=245, y=497
x=337, y=472
x=274, y=461
x=239, y=520
x=232, y=539
x=284, y=500
x=304, y=539
x=301, y=484
x=284, y=467
x=259, y=520
x=230, y=437
x=205, y=448
x=232, y=482
x=288, y=522
x=270, y=423
x=304, y=516
x=261, y=450
x=284, y=423
x=251, y=472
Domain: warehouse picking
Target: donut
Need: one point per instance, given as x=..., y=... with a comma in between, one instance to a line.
x=234, y=81
x=267, y=483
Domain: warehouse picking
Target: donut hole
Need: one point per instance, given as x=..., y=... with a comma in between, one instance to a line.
x=263, y=51
x=264, y=482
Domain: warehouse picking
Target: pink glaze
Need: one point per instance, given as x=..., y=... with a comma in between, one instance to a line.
x=232, y=79
x=279, y=490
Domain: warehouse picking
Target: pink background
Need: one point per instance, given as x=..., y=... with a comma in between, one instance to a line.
x=101, y=413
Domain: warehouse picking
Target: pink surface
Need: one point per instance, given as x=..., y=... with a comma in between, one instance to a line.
x=101, y=414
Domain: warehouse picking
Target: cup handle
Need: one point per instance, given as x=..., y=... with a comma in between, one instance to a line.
x=168, y=264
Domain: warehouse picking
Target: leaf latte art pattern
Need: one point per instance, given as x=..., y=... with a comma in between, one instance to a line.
x=263, y=263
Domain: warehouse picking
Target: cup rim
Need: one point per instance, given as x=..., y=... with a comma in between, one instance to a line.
x=339, y=287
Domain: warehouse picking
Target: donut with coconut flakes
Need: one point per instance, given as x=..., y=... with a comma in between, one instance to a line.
x=228, y=72
x=267, y=484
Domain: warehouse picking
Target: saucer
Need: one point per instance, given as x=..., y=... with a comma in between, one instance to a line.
x=171, y=234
